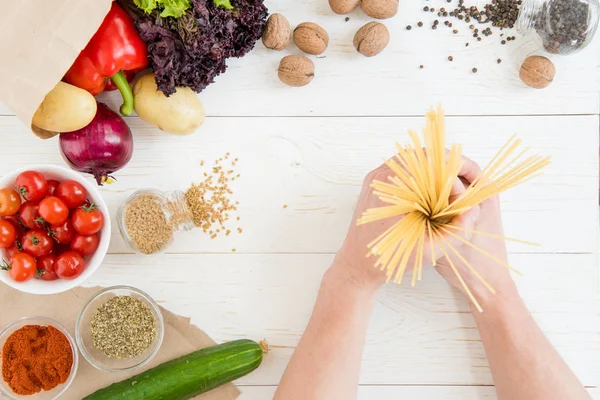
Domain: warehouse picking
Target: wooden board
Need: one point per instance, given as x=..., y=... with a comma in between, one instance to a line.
x=346, y=83
x=303, y=175
x=303, y=154
x=422, y=335
x=400, y=392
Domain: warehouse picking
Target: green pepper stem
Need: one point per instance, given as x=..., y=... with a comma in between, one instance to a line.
x=125, y=89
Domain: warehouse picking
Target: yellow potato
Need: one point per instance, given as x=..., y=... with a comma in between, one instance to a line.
x=181, y=113
x=65, y=109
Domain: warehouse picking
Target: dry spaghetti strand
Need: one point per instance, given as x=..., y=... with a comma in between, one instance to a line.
x=418, y=195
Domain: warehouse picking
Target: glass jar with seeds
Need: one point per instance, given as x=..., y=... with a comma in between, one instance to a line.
x=149, y=218
x=565, y=26
x=120, y=328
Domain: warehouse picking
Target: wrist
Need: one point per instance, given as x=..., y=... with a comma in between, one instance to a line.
x=504, y=301
x=355, y=279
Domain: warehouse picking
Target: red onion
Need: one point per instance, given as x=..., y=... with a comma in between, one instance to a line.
x=101, y=148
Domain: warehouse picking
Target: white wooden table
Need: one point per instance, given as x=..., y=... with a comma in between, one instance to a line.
x=303, y=154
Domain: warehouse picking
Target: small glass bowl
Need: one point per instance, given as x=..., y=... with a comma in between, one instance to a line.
x=85, y=342
x=58, y=391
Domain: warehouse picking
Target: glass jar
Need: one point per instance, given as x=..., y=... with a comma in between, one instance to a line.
x=565, y=26
x=149, y=218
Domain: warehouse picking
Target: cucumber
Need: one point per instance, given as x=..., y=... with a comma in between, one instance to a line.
x=188, y=376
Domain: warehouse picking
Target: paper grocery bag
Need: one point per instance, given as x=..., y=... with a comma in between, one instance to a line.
x=39, y=41
x=180, y=337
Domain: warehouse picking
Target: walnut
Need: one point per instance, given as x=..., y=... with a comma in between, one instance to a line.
x=537, y=72
x=371, y=39
x=380, y=9
x=277, y=32
x=296, y=70
x=343, y=6
x=311, y=38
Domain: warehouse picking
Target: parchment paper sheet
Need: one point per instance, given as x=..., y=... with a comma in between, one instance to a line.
x=180, y=337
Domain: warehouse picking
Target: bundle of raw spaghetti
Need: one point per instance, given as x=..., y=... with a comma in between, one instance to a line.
x=420, y=192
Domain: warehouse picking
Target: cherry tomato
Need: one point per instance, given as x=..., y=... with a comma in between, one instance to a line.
x=72, y=193
x=46, y=268
x=52, y=185
x=10, y=201
x=17, y=224
x=12, y=250
x=8, y=234
x=53, y=210
x=63, y=233
x=88, y=220
x=32, y=185
x=69, y=265
x=22, y=267
x=85, y=245
x=28, y=213
x=37, y=243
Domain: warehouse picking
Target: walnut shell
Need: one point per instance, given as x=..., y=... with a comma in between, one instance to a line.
x=380, y=9
x=296, y=70
x=277, y=32
x=311, y=38
x=371, y=39
x=537, y=72
x=343, y=6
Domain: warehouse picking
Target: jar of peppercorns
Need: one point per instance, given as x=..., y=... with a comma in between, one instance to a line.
x=565, y=26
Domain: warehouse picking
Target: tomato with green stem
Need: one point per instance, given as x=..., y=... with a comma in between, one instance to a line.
x=32, y=185
x=37, y=243
x=10, y=201
x=46, y=268
x=8, y=234
x=69, y=265
x=72, y=193
x=29, y=216
x=88, y=220
x=85, y=245
x=63, y=233
x=53, y=210
x=21, y=268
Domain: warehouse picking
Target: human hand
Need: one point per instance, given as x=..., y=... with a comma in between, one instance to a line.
x=351, y=261
x=488, y=221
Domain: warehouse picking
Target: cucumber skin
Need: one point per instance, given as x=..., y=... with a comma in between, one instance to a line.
x=188, y=376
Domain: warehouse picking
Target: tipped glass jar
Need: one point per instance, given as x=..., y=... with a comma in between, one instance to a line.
x=149, y=219
x=565, y=26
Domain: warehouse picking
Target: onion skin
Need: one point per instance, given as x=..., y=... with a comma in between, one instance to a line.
x=100, y=148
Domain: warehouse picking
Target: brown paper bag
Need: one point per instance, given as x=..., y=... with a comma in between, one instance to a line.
x=39, y=40
x=180, y=337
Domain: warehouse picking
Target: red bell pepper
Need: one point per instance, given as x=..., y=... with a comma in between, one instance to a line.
x=114, y=48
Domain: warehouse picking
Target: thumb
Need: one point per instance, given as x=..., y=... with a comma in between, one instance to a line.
x=464, y=221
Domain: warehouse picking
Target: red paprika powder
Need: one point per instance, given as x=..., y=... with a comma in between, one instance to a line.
x=35, y=358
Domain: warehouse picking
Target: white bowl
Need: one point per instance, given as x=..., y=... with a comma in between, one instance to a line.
x=37, y=286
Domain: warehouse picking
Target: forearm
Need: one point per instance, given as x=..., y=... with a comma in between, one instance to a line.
x=326, y=363
x=524, y=365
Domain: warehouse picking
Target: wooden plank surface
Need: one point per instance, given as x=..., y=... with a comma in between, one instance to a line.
x=423, y=335
x=401, y=392
x=393, y=392
x=346, y=83
x=314, y=168
x=301, y=173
